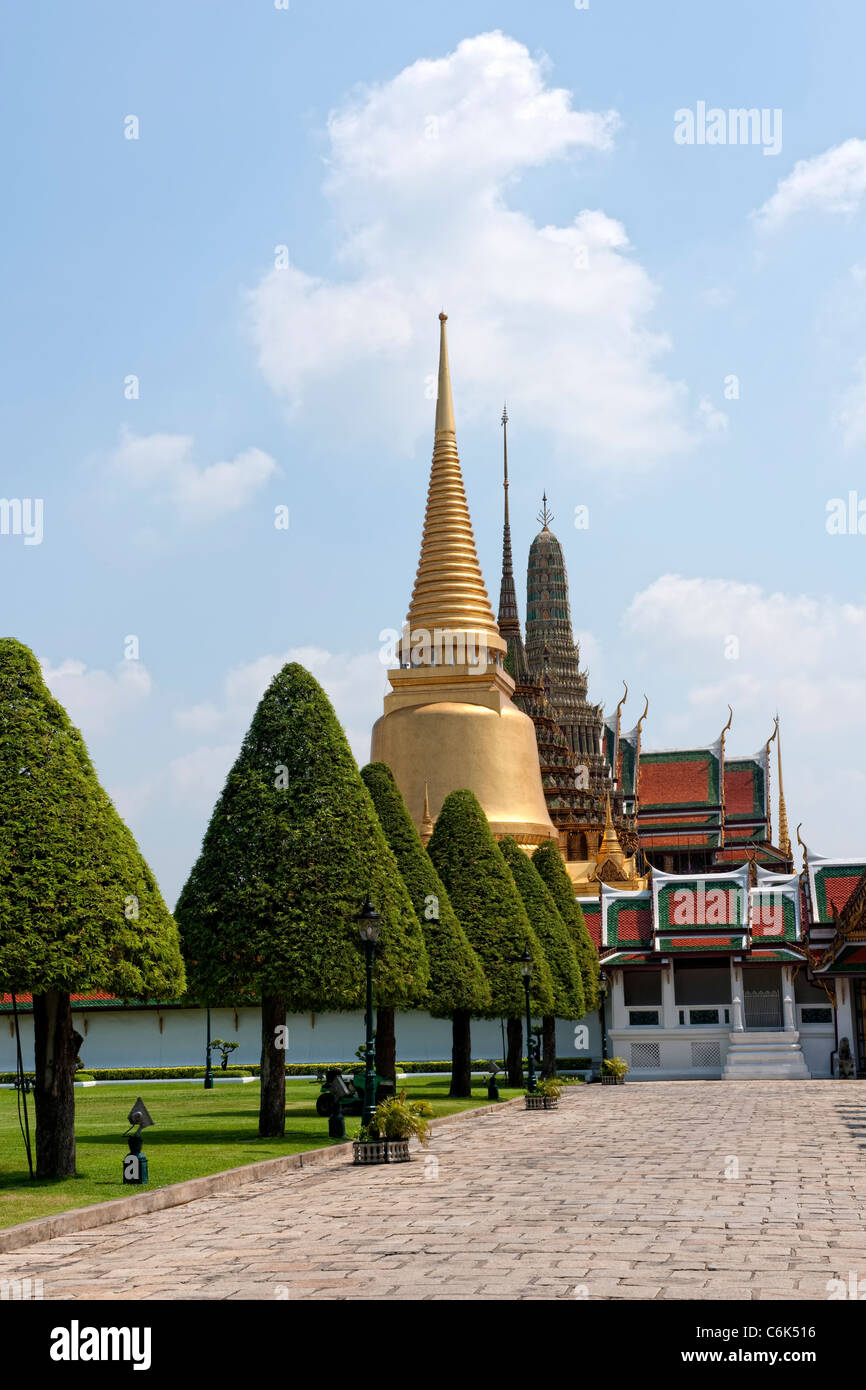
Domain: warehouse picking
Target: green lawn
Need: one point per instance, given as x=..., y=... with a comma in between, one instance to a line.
x=195, y=1132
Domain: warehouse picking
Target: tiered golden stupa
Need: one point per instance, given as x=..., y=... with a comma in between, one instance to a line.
x=449, y=720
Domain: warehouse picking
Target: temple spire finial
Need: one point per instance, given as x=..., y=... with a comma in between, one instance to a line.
x=449, y=609
x=427, y=821
x=444, y=404
x=508, y=618
x=784, y=836
x=545, y=516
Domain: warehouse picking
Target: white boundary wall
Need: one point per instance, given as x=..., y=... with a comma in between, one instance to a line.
x=176, y=1037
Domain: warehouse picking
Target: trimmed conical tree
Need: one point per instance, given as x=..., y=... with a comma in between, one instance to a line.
x=79, y=908
x=485, y=898
x=293, y=846
x=557, y=942
x=457, y=987
x=548, y=861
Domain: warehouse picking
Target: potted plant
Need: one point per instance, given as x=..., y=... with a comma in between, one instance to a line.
x=551, y=1089
x=369, y=1147
x=398, y=1120
x=534, y=1099
x=546, y=1094
x=613, y=1070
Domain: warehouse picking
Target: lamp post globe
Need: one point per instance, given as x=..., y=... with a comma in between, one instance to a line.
x=525, y=963
x=369, y=930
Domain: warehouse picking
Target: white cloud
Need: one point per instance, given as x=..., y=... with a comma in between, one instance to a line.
x=851, y=416
x=713, y=420
x=196, y=779
x=716, y=296
x=834, y=181
x=162, y=466
x=554, y=317
x=93, y=698
x=355, y=685
x=802, y=655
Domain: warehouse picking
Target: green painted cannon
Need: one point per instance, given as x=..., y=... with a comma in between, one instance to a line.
x=345, y=1095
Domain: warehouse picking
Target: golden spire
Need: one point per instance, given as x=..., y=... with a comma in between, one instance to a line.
x=449, y=596
x=444, y=403
x=768, y=807
x=610, y=847
x=784, y=837
x=427, y=821
x=617, y=759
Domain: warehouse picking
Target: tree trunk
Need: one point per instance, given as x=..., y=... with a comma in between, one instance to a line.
x=56, y=1044
x=272, y=1105
x=386, y=1045
x=461, y=1054
x=548, y=1045
x=514, y=1060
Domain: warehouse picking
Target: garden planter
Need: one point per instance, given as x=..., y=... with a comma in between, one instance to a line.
x=613, y=1081
x=397, y=1151
x=534, y=1102
x=370, y=1151
x=551, y=1102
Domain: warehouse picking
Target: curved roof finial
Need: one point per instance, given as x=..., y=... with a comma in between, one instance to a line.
x=623, y=700
x=802, y=843
x=644, y=715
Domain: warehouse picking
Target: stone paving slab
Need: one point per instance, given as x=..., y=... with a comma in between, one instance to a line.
x=654, y=1190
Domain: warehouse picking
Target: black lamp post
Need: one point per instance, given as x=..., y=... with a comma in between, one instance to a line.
x=208, y=1070
x=369, y=927
x=602, y=996
x=526, y=972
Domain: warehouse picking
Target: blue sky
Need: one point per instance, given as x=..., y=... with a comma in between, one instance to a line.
x=517, y=165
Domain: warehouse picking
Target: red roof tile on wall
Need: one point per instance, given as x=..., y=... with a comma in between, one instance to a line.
x=673, y=782
x=592, y=917
x=635, y=924
x=839, y=890
x=739, y=792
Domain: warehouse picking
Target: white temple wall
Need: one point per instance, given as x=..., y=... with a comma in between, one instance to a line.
x=176, y=1037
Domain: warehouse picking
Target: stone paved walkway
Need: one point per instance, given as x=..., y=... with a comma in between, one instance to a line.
x=746, y=1190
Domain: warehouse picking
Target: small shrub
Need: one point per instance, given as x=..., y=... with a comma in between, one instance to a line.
x=399, y=1118
x=551, y=1087
x=614, y=1066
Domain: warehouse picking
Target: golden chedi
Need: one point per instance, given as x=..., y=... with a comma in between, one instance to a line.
x=449, y=720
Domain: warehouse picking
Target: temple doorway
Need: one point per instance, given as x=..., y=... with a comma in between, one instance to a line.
x=762, y=1000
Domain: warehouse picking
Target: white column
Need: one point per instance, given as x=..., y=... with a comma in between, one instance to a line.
x=788, y=1000
x=845, y=1018
x=670, y=1017
x=736, y=998
x=618, y=1015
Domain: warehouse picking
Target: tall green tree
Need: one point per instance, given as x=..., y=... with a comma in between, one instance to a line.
x=485, y=898
x=557, y=942
x=548, y=861
x=457, y=987
x=79, y=908
x=294, y=844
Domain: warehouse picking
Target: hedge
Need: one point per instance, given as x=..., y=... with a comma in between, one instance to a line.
x=292, y=1069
